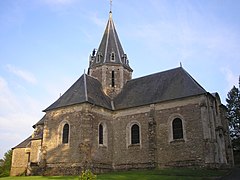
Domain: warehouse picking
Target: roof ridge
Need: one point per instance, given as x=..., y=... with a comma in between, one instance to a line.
x=114, y=35
x=106, y=46
x=193, y=79
x=149, y=75
x=24, y=143
x=85, y=86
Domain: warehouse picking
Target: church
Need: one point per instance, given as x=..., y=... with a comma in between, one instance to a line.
x=107, y=121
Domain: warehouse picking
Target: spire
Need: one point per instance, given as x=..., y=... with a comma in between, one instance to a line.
x=109, y=63
x=110, y=50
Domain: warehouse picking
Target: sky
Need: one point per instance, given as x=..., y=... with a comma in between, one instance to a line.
x=45, y=47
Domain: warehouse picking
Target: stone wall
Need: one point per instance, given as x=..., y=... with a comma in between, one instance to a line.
x=20, y=158
x=226, y=136
x=104, y=75
x=35, y=151
x=125, y=154
x=201, y=144
x=82, y=149
x=180, y=152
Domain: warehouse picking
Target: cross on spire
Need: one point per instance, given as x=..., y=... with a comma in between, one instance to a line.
x=110, y=5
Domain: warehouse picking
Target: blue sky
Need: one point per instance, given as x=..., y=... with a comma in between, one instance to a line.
x=45, y=45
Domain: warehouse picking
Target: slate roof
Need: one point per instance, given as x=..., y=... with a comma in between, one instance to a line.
x=24, y=144
x=85, y=89
x=40, y=122
x=159, y=87
x=163, y=86
x=110, y=43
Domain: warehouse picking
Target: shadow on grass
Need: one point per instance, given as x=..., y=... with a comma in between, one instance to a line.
x=163, y=174
x=178, y=173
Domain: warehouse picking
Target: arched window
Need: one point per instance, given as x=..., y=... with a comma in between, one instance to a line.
x=177, y=129
x=100, y=135
x=65, y=134
x=135, y=135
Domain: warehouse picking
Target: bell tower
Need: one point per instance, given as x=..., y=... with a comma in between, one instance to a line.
x=109, y=63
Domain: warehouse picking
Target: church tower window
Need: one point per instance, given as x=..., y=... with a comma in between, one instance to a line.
x=99, y=57
x=135, y=135
x=112, y=56
x=65, y=134
x=100, y=131
x=177, y=129
x=124, y=58
x=113, y=78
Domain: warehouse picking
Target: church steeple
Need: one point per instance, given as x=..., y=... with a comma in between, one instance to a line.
x=110, y=50
x=109, y=63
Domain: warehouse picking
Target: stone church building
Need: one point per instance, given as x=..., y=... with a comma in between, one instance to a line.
x=107, y=121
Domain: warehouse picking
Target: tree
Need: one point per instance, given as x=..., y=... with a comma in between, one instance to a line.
x=233, y=115
x=5, y=165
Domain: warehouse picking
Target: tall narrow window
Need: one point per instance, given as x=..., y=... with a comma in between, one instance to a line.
x=100, y=135
x=99, y=57
x=65, y=134
x=177, y=128
x=124, y=58
x=113, y=79
x=135, y=137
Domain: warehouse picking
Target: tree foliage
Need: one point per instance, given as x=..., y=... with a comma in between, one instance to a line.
x=5, y=164
x=233, y=115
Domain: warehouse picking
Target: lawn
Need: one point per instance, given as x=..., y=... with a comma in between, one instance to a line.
x=164, y=174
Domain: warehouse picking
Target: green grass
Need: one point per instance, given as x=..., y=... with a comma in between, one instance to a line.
x=180, y=173
x=41, y=178
x=162, y=174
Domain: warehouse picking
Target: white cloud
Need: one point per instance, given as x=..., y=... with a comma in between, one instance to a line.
x=25, y=75
x=232, y=79
x=98, y=21
x=7, y=100
x=18, y=112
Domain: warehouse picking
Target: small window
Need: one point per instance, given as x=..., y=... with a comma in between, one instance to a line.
x=124, y=58
x=99, y=57
x=112, y=56
x=102, y=134
x=177, y=128
x=100, y=131
x=113, y=78
x=65, y=134
x=135, y=137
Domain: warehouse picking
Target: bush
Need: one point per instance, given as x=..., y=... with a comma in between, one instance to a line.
x=87, y=175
